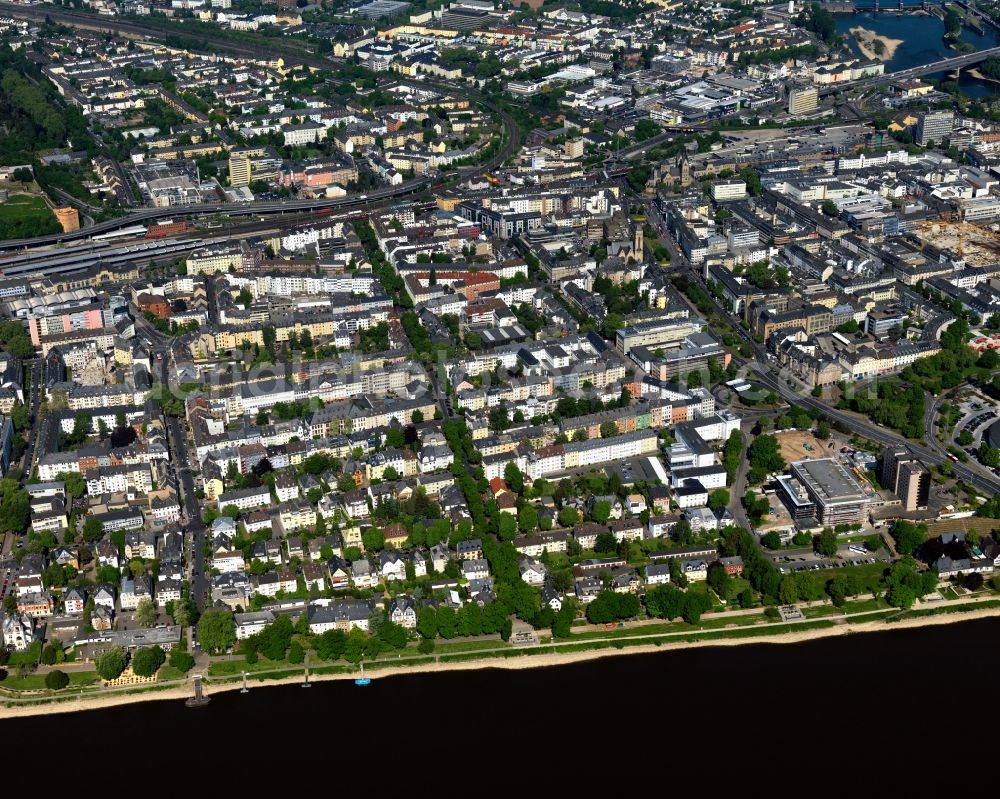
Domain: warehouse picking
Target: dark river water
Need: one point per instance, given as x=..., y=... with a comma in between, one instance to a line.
x=922, y=42
x=913, y=708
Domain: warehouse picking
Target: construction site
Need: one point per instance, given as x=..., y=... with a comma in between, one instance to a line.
x=977, y=246
x=800, y=445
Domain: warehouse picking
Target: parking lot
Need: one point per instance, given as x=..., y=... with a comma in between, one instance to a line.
x=975, y=423
x=789, y=563
x=978, y=412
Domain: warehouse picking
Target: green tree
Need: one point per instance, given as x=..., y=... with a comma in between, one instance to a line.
x=182, y=612
x=568, y=517
x=719, y=580
x=610, y=606
x=147, y=660
x=145, y=612
x=276, y=637
x=718, y=499
x=426, y=646
x=355, y=647
x=427, y=622
x=373, y=539
x=694, y=605
x=952, y=23
x=76, y=487
x=330, y=645
x=15, y=507
x=93, y=531
x=905, y=584
x=181, y=660
x=51, y=652
x=989, y=456
x=507, y=527
x=682, y=533
x=665, y=601
x=216, y=630
x=609, y=429
x=908, y=536
x=394, y=635
x=601, y=511
x=81, y=426
x=826, y=543
x=112, y=663
x=447, y=622
x=56, y=680
x=732, y=454
x=513, y=478
x=527, y=518
x=764, y=455
x=788, y=592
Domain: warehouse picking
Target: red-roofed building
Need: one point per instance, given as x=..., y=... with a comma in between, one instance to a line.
x=471, y=284
x=507, y=503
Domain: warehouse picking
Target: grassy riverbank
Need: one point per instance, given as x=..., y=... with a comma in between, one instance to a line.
x=225, y=675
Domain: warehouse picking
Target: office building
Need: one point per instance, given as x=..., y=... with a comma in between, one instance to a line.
x=932, y=126
x=838, y=496
x=239, y=169
x=913, y=485
x=802, y=100
x=796, y=499
x=728, y=190
x=906, y=477
x=891, y=458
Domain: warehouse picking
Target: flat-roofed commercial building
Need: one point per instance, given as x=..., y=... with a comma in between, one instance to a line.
x=837, y=494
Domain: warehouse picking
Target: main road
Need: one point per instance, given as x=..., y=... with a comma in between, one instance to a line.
x=34, y=423
x=180, y=462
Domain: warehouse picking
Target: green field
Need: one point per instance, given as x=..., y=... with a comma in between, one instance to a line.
x=23, y=216
x=36, y=682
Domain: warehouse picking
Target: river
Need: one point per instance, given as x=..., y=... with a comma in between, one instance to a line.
x=922, y=43
x=873, y=706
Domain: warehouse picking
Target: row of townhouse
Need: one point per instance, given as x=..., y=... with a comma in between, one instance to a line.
x=92, y=456
x=362, y=413
x=556, y=458
x=124, y=479
x=638, y=415
x=850, y=363
x=514, y=392
x=288, y=285
x=235, y=336
x=82, y=398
